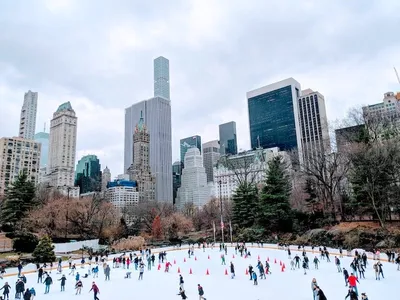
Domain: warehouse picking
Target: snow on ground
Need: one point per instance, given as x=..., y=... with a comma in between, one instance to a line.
x=279, y=285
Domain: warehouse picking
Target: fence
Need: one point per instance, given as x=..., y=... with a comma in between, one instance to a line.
x=74, y=246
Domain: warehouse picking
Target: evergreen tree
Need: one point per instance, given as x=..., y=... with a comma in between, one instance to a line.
x=310, y=190
x=274, y=208
x=44, y=251
x=244, y=208
x=19, y=199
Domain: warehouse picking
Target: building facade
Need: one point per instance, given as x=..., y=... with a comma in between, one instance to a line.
x=140, y=171
x=122, y=194
x=248, y=166
x=314, y=125
x=62, y=147
x=347, y=136
x=88, y=174
x=157, y=118
x=187, y=143
x=43, y=139
x=161, y=77
x=194, y=188
x=211, y=155
x=176, y=178
x=105, y=179
x=274, y=117
x=27, y=123
x=227, y=138
x=18, y=155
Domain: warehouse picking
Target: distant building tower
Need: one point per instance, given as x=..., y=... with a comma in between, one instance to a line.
x=17, y=155
x=211, y=154
x=194, y=188
x=228, y=138
x=176, y=177
x=187, y=143
x=122, y=194
x=161, y=77
x=62, y=149
x=105, y=179
x=88, y=174
x=140, y=171
x=27, y=124
x=43, y=139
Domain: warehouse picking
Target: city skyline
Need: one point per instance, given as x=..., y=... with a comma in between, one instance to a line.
x=207, y=91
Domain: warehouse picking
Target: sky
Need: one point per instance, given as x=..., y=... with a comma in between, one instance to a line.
x=98, y=54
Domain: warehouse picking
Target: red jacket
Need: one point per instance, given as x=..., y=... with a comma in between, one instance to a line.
x=95, y=288
x=352, y=280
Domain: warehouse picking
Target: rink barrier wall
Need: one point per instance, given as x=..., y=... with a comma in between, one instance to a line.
x=61, y=248
x=31, y=268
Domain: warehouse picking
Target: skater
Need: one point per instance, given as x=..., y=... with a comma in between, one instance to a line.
x=19, y=289
x=232, y=271
x=314, y=285
x=316, y=262
x=255, y=278
x=292, y=265
x=48, y=281
x=73, y=268
x=141, y=271
x=223, y=259
x=40, y=275
x=352, y=294
x=201, y=292
x=297, y=261
x=19, y=269
x=353, y=282
x=364, y=296
x=78, y=287
x=251, y=272
x=33, y=293
x=95, y=290
x=182, y=293
x=305, y=267
x=380, y=269
x=181, y=282
x=320, y=294
x=27, y=295
x=2, y=272
x=63, y=279
x=337, y=263
x=289, y=253
x=107, y=272
x=6, y=287
x=77, y=277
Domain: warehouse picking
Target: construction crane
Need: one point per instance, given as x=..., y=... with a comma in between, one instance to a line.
x=397, y=74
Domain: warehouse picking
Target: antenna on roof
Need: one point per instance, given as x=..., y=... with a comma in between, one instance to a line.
x=44, y=128
x=397, y=74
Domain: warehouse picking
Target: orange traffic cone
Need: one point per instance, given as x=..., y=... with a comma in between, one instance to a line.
x=247, y=272
x=245, y=256
x=190, y=271
x=259, y=257
x=159, y=267
x=174, y=262
x=284, y=265
x=280, y=263
x=195, y=258
x=209, y=257
x=184, y=259
x=226, y=272
x=283, y=269
x=179, y=270
x=267, y=258
x=233, y=255
x=275, y=260
x=207, y=273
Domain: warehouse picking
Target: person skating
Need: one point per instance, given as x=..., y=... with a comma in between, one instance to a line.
x=255, y=278
x=223, y=259
x=19, y=267
x=352, y=294
x=305, y=267
x=23, y=278
x=95, y=290
x=297, y=261
x=40, y=275
x=364, y=296
x=182, y=293
x=77, y=277
x=181, y=282
x=376, y=270
x=107, y=271
x=6, y=293
x=19, y=289
x=232, y=270
x=251, y=272
x=353, y=282
x=337, y=263
x=33, y=293
x=27, y=295
x=201, y=292
x=141, y=271
x=48, y=281
x=361, y=270
x=289, y=253
x=78, y=287
x=73, y=268
x=63, y=279
x=314, y=285
x=380, y=269
x=320, y=294
x=346, y=276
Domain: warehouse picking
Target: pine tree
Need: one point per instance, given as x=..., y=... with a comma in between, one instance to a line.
x=244, y=208
x=312, y=199
x=19, y=199
x=44, y=251
x=275, y=212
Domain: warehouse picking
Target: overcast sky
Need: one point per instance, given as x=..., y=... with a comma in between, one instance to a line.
x=99, y=54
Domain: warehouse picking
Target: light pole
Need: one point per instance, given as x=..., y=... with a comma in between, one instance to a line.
x=220, y=205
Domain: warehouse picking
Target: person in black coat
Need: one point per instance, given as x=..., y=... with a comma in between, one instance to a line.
x=27, y=295
x=232, y=270
x=352, y=294
x=6, y=287
x=320, y=293
x=40, y=275
x=19, y=289
x=182, y=293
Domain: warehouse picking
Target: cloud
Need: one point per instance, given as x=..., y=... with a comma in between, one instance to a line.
x=98, y=55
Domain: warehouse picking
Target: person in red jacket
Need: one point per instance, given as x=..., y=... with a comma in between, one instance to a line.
x=353, y=282
x=95, y=290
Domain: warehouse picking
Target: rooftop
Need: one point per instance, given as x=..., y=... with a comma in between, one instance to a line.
x=64, y=106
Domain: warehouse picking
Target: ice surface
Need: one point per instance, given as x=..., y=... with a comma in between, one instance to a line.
x=279, y=285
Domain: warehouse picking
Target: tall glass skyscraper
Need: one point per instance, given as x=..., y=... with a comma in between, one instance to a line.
x=43, y=138
x=161, y=77
x=189, y=142
x=227, y=138
x=27, y=124
x=88, y=174
x=274, y=117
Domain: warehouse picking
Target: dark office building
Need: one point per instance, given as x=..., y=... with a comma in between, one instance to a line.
x=273, y=115
x=176, y=178
x=88, y=174
x=189, y=142
x=227, y=138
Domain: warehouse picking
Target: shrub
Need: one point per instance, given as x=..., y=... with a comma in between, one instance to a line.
x=25, y=242
x=130, y=243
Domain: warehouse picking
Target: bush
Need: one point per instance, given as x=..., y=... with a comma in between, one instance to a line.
x=130, y=243
x=44, y=251
x=25, y=242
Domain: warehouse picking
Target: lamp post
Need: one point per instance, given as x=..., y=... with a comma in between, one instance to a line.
x=66, y=215
x=220, y=205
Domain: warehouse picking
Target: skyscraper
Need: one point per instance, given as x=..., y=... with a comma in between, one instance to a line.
x=43, y=138
x=211, y=154
x=157, y=118
x=189, y=142
x=88, y=174
x=62, y=147
x=176, y=178
x=105, y=179
x=314, y=125
x=161, y=77
x=140, y=171
x=227, y=138
x=27, y=124
x=273, y=116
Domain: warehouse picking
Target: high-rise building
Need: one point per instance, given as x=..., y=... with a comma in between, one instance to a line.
x=88, y=174
x=314, y=125
x=348, y=136
x=105, y=179
x=27, y=124
x=43, y=139
x=157, y=118
x=194, y=188
x=18, y=155
x=140, y=171
x=122, y=194
x=211, y=154
x=274, y=117
x=187, y=143
x=161, y=77
x=227, y=138
x=176, y=178
x=62, y=147
x=390, y=106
